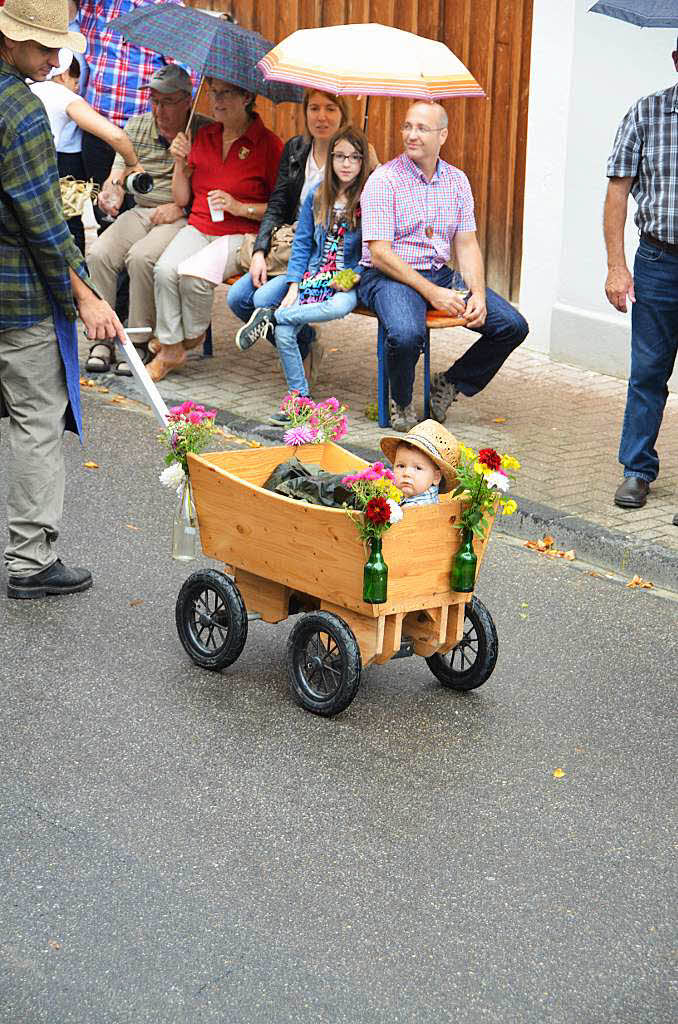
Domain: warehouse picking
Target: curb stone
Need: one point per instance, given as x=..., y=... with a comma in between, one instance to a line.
x=606, y=549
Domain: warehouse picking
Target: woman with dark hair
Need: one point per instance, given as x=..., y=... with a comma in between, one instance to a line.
x=226, y=176
x=328, y=240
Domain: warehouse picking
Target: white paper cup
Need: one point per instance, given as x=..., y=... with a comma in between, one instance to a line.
x=214, y=213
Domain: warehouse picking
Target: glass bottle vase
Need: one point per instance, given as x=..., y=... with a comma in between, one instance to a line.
x=465, y=565
x=185, y=530
x=375, y=574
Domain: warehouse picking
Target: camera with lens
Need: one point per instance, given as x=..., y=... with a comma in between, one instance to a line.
x=139, y=183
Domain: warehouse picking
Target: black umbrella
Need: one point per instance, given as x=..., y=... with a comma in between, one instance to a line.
x=646, y=13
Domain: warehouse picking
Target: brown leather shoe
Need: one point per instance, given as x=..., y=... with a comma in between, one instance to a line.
x=632, y=492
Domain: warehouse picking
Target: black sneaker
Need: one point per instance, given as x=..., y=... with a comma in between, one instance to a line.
x=55, y=579
x=259, y=325
x=280, y=419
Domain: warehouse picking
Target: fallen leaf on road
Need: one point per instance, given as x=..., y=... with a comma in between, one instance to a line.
x=334, y=350
x=85, y=382
x=545, y=547
x=102, y=391
x=131, y=527
x=254, y=444
x=136, y=602
x=118, y=400
x=500, y=419
x=558, y=773
x=91, y=465
x=640, y=583
x=53, y=944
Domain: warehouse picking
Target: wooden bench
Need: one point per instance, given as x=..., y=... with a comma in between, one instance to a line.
x=434, y=319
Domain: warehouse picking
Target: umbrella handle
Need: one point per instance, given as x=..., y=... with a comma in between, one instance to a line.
x=195, y=104
x=366, y=115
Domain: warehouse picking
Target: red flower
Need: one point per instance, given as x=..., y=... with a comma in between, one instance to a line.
x=488, y=457
x=377, y=511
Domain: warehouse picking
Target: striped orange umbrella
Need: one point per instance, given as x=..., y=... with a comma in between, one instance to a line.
x=370, y=60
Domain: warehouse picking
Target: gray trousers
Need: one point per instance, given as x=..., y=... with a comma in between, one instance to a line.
x=33, y=393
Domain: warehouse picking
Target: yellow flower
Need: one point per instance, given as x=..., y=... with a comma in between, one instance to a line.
x=509, y=507
x=467, y=453
x=508, y=462
x=481, y=469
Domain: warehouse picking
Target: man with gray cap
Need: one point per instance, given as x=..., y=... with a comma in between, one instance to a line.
x=139, y=236
x=44, y=286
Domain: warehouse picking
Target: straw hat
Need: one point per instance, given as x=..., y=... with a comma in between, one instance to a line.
x=433, y=440
x=44, y=21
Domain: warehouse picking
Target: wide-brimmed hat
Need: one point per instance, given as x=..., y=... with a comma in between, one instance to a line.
x=433, y=440
x=44, y=21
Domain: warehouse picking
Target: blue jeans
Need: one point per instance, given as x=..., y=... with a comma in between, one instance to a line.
x=402, y=311
x=243, y=298
x=291, y=320
x=654, y=341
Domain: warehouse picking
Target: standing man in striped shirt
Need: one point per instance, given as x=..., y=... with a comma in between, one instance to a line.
x=644, y=162
x=413, y=209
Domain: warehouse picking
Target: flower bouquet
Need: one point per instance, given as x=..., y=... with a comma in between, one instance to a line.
x=377, y=500
x=313, y=422
x=188, y=429
x=483, y=480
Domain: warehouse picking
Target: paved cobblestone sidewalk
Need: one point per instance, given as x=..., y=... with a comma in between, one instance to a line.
x=561, y=422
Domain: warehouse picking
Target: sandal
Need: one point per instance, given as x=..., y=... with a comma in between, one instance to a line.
x=100, y=356
x=122, y=367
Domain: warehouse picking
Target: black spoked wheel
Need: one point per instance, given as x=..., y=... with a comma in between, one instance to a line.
x=211, y=619
x=472, y=661
x=323, y=663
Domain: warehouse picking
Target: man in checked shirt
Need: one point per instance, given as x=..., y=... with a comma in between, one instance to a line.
x=43, y=286
x=413, y=209
x=644, y=162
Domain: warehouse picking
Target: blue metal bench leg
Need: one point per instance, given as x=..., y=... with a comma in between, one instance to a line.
x=207, y=343
x=427, y=376
x=382, y=380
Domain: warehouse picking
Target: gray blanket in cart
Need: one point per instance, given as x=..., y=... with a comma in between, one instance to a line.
x=308, y=482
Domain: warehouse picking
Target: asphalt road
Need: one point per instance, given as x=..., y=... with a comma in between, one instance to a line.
x=182, y=846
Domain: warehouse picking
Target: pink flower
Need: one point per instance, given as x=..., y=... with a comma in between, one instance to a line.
x=195, y=417
x=175, y=411
x=185, y=408
x=314, y=421
x=378, y=467
x=329, y=403
x=388, y=475
x=210, y=414
x=297, y=435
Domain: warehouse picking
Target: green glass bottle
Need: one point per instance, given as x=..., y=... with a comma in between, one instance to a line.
x=375, y=574
x=463, y=575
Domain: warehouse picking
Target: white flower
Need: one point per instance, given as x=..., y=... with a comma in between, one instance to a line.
x=173, y=476
x=498, y=481
x=396, y=511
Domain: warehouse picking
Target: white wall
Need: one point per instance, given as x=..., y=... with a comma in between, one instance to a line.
x=586, y=72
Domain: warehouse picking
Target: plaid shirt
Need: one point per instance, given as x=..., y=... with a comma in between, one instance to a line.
x=33, y=232
x=427, y=497
x=399, y=205
x=646, y=149
x=118, y=72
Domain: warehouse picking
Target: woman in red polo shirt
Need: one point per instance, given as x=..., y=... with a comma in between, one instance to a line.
x=226, y=176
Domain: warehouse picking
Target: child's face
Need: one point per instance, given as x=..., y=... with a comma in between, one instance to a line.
x=414, y=472
x=347, y=162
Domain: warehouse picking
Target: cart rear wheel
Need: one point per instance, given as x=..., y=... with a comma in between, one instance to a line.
x=211, y=619
x=472, y=661
x=323, y=663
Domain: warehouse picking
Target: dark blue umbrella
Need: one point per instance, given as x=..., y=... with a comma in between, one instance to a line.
x=209, y=45
x=646, y=13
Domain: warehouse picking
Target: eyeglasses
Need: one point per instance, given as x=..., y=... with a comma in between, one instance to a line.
x=168, y=103
x=418, y=129
x=347, y=158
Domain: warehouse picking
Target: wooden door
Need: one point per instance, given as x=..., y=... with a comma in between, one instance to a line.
x=487, y=136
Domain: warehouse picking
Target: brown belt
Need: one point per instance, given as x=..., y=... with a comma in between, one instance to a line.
x=658, y=243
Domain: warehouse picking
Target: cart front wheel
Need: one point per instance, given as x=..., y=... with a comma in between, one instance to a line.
x=472, y=661
x=211, y=619
x=323, y=663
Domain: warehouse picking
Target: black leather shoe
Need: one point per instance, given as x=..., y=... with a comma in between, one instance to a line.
x=632, y=493
x=56, y=579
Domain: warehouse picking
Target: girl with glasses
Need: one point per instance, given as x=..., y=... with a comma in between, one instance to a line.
x=328, y=240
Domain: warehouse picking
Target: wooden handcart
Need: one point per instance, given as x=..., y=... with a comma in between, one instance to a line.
x=286, y=557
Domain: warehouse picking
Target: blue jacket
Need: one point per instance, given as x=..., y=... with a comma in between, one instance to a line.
x=309, y=244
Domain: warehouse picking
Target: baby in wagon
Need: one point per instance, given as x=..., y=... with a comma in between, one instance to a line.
x=423, y=462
